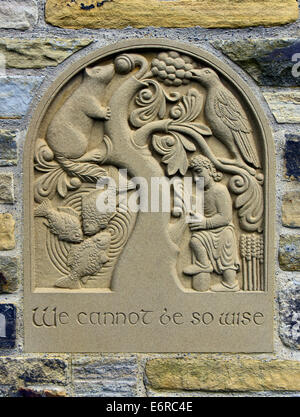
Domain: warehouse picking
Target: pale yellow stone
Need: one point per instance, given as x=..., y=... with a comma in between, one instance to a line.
x=180, y=13
x=7, y=232
x=291, y=209
x=39, y=53
x=285, y=105
x=223, y=375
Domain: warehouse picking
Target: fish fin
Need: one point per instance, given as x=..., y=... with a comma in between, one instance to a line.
x=104, y=258
x=68, y=210
x=43, y=209
x=71, y=258
x=129, y=186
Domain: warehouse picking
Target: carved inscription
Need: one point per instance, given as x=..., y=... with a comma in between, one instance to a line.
x=52, y=317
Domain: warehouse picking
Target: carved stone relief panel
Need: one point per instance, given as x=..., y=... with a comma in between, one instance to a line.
x=149, y=207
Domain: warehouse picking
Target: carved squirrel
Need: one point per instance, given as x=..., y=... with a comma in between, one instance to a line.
x=70, y=129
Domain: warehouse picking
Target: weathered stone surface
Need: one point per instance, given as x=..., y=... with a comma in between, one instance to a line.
x=289, y=252
x=292, y=157
x=9, y=274
x=44, y=371
x=38, y=392
x=284, y=105
x=223, y=375
x=105, y=377
x=16, y=94
x=7, y=326
x=289, y=310
x=39, y=53
x=8, y=147
x=21, y=14
x=6, y=188
x=32, y=371
x=180, y=13
x=268, y=61
x=291, y=209
x=7, y=232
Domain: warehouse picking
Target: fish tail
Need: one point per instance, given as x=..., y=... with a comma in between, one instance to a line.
x=43, y=209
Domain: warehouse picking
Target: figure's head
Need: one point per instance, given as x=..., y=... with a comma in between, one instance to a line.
x=202, y=167
x=102, y=73
x=205, y=76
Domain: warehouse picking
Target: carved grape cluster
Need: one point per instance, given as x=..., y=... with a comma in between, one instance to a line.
x=171, y=68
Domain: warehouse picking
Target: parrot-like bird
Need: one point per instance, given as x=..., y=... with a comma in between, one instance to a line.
x=226, y=118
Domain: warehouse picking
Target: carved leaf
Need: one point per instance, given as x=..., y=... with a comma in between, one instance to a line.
x=249, y=202
x=173, y=148
x=83, y=170
x=152, y=102
x=189, y=108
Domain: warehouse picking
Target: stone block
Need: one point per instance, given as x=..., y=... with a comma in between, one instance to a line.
x=292, y=157
x=268, y=61
x=39, y=53
x=38, y=392
x=44, y=371
x=7, y=327
x=16, y=94
x=21, y=14
x=7, y=232
x=9, y=274
x=219, y=375
x=289, y=310
x=33, y=371
x=284, y=105
x=291, y=209
x=180, y=13
x=289, y=252
x=105, y=377
x=6, y=188
x=8, y=147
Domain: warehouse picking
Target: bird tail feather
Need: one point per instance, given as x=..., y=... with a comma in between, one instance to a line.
x=246, y=149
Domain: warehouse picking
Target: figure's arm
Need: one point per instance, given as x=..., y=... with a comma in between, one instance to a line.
x=224, y=210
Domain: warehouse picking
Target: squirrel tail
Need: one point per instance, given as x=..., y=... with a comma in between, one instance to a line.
x=43, y=209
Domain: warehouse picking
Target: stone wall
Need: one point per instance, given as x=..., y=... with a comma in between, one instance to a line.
x=39, y=39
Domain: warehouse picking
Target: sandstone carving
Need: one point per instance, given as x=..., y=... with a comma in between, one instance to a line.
x=167, y=114
x=118, y=124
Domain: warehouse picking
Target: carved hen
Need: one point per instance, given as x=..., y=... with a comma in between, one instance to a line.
x=226, y=118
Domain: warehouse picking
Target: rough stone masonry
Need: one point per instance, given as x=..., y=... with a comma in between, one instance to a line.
x=259, y=40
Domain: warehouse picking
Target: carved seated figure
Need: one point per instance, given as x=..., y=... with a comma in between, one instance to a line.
x=213, y=241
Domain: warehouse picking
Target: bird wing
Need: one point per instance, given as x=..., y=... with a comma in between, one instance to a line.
x=230, y=112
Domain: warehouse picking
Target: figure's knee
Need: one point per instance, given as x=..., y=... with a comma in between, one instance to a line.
x=196, y=245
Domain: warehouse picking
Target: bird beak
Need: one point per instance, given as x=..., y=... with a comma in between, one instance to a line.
x=196, y=73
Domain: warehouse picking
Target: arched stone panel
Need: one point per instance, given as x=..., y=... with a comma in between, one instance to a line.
x=151, y=280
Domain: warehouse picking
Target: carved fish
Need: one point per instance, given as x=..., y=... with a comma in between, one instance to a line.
x=63, y=222
x=95, y=219
x=86, y=259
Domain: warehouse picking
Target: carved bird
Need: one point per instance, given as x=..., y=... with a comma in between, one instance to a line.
x=226, y=119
